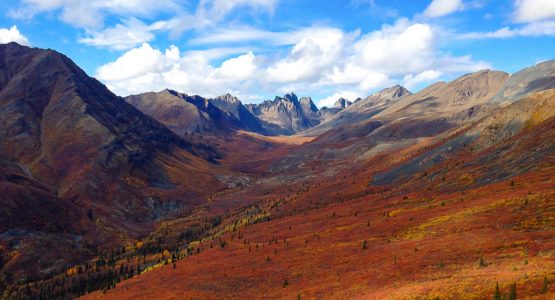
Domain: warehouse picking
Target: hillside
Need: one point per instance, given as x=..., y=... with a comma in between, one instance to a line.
x=111, y=166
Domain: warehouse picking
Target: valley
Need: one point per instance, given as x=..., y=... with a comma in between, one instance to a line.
x=445, y=193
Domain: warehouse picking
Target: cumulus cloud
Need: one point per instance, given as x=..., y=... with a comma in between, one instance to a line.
x=146, y=69
x=318, y=60
x=309, y=57
x=440, y=8
x=534, y=10
x=12, y=34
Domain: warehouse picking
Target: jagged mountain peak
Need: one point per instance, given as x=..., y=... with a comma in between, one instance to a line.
x=292, y=97
x=228, y=98
x=342, y=103
x=308, y=104
x=393, y=92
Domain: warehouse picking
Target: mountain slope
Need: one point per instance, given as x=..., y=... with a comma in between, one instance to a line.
x=444, y=99
x=530, y=80
x=184, y=114
x=359, y=111
x=92, y=150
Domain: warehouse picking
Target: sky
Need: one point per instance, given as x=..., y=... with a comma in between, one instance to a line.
x=257, y=49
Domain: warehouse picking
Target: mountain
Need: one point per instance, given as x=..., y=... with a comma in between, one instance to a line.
x=286, y=115
x=185, y=114
x=344, y=113
x=342, y=103
x=326, y=113
x=232, y=105
x=444, y=99
x=79, y=146
x=527, y=81
x=390, y=125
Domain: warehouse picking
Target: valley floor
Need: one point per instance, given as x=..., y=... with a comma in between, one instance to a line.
x=420, y=245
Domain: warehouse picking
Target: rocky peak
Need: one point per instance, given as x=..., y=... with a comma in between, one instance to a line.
x=308, y=105
x=228, y=98
x=394, y=92
x=342, y=103
x=291, y=97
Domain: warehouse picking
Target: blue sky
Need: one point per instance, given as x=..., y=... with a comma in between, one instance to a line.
x=257, y=49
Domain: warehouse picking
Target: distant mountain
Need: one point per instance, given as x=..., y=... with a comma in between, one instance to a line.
x=344, y=112
x=185, y=114
x=286, y=115
x=326, y=113
x=232, y=105
x=342, y=103
x=444, y=99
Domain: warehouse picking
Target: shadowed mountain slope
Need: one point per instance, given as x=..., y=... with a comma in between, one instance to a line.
x=91, y=151
x=185, y=114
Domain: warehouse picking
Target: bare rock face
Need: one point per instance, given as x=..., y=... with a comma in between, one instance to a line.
x=342, y=103
x=233, y=106
x=286, y=115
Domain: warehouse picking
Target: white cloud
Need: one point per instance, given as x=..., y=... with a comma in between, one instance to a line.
x=137, y=62
x=123, y=36
x=316, y=61
x=238, y=68
x=146, y=69
x=211, y=12
x=440, y=8
x=535, y=29
x=12, y=34
x=310, y=56
x=91, y=14
x=410, y=81
x=534, y=10
x=132, y=30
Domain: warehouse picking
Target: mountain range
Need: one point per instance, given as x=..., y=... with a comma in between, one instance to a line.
x=440, y=193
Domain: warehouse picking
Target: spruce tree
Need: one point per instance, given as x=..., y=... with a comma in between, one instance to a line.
x=497, y=293
x=512, y=292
